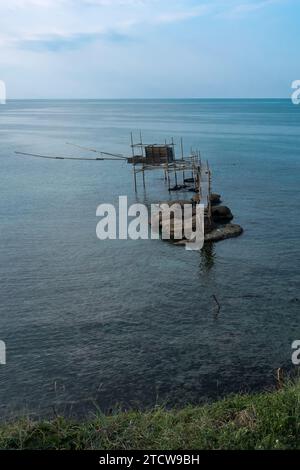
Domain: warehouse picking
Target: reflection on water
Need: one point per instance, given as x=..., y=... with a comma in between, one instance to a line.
x=207, y=257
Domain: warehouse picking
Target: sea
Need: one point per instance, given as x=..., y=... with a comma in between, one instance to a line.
x=94, y=325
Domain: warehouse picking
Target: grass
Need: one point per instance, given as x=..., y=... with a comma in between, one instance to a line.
x=269, y=420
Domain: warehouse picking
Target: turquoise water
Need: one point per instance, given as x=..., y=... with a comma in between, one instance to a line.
x=94, y=323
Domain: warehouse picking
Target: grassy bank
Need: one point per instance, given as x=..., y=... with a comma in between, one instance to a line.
x=262, y=421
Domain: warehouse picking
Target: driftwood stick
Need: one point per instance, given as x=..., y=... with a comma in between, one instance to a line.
x=217, y=303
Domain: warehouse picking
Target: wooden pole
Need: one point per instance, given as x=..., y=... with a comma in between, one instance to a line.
x=193, y=176
x=200, y=161
x=175, y=172
x=134, y=172
x=142, y=147
x=133, y=161
x=209, y=196
x=132, y=148
x=182, y=158
x=142, y=154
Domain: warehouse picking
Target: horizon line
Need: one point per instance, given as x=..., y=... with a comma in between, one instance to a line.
x=147, y=99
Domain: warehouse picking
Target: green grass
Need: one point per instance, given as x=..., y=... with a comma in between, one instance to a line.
x=268, y=420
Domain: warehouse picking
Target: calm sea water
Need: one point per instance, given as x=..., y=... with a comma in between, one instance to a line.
x=90, y=323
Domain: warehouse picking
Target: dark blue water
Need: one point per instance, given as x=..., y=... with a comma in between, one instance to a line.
x=94, y=323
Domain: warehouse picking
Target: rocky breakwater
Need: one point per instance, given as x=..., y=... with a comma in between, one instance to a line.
x=216, y=228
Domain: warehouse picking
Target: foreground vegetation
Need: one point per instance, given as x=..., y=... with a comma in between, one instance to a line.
x=263, y=421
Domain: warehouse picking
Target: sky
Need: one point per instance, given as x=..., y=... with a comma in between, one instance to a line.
x=149, y=48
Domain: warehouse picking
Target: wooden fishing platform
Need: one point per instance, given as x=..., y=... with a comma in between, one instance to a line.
x=181, y=174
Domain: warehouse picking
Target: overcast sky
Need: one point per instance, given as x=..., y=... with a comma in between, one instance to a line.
x=149, y=48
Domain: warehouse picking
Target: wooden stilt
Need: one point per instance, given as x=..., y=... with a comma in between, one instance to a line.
x=209, y=196
x=134, y=173
x=168, y=174
x=144, y=177
x=182, y=158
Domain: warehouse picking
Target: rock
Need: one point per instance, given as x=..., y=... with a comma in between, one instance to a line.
x=224, y=232
x=217, y=234
x=156, y=220
x=215, y=199
x=176, y=223
x=219, y=229
x=221, y=214
x=176, y=228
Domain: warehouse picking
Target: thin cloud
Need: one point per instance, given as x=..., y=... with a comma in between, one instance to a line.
x=16, y=4
x=181, y=15
x=61, y=42
x=242, y=9
x=81, y=22
x=77, y=28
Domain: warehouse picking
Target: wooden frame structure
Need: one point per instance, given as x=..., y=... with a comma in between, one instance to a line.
x=162, y=157
x=192, y=165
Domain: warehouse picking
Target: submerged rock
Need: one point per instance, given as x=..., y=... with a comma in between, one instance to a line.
x=217, y=234
x=215, y=199
x=221, y=214
x=223, y=232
